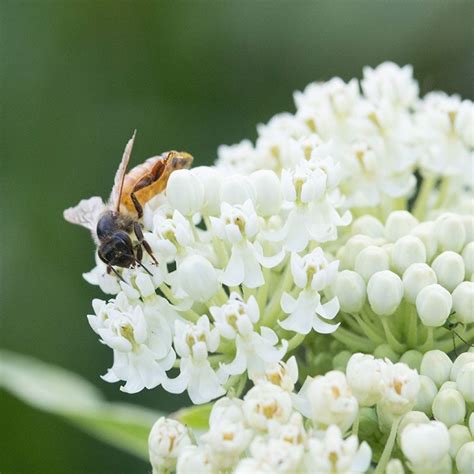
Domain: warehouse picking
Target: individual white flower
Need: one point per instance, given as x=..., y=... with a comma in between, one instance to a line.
x=348, y=254
x=193, y=342
x=227, y=440
x=433, y=305
x=264, y=404
x=468, y=257
x=334, y=455
x=449, y=269
x=458, y=436
x=398, y=224
x=450, y=232
x=141, y=343
x=312, y=274
x=283, y=374
x=292, y=432
x=406, y=251
x=403, y=385
x=226, y=408
x=349, y=288
x=185, y=192
x=196, y=459
x=277, y=455
x=312, y=213
x=239, y=225
x=437, y=366
x=254, y=352
x=385, y=292
x=371, y=259
x=426, y=395
x=366, y=378
x=167, y=440
x=424, y=445
x=458, y=364
x=210, y=178
x=449, y=407
x=268, y=192
x=425, y=231
x=236, y=189
x=465, y=382
x=415, y=278
x=390, y=83
x=331, y=401
x=238, y=158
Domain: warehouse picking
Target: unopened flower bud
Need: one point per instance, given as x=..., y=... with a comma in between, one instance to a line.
x=458, y=435
x=399, y=223
x=465, y=382
x=211, y=180
x=349, y=288
x=237, y=189
x=450, y=232
x=368, y=225
x=426, y=395
x=415, y=278
x=196, y=459
x=465, y=458
x=365, y=378
x=394, y=466
x=352, y=248
x=449, y=407
x=468, y=221
x=268, y=192
x=407, y=251
x=371, y=260
x=425, y=444
x=384, y=351
x=468, y=257
x=458, y=364
x=471, y=424
x=433, y=305
x=412, y=417
x=198, y=278
x=185, y=192
x=437, y=366
x=449, y=269
x=385, y=292
x=167, y=440
x=448, y=385
x=463, y=302
x=425, y=232
x=412, y=358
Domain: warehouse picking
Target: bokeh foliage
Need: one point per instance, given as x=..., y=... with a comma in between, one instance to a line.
x=78, y=76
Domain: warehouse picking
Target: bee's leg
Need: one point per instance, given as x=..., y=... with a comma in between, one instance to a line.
x=141, y=239
x=110, y=269
x=139, y=251
x=136, y=203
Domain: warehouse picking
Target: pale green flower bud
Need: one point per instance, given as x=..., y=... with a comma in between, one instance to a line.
x=415, y=278
x=468, y=221
x=399, y=223
x=368, y=225
x=385, y=292
x=237, y=189
x=433, y=305
x=407, y=251
x=425, y=232
x=465, y=382
x=458, y=435
x=468, y=257
x=198, y=278
x=450, y=232
x=448, y=385
x=465, y=458
x=461, y=359
x=449, y=407
x=437, y=366
x=412, y=358
x=349, y=287
x=371, y=260
x=384, y=351
x=426, y=395
x=185, y=192
x=394, y=466
x=268, y=190
x=463, y=302
x=449, y=269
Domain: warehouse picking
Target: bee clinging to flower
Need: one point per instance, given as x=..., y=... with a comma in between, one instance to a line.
x=116, y=226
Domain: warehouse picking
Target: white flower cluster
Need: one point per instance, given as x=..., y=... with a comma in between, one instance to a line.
x=258, y=263
x=274, y=430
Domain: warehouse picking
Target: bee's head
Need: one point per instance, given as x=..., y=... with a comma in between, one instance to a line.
x=117, y=250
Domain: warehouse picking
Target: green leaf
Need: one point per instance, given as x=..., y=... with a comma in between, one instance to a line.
x=63, y=393
x=195, y=417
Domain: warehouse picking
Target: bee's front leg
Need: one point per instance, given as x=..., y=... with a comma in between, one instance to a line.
x=141, y=240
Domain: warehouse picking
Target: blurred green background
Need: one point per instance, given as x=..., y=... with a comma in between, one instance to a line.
x=78, y=76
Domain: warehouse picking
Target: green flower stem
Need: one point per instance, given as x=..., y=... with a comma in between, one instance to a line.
x=248, y=292
x=443, y=192
x=412, y=327
x=351, y=321
x=355, y=426
x=419, y=209
x=429, y=341
x=354, y=342
x=369, y=330
x=387, y=452
x=262, y=292
x=295, y=341
x=394, y=344
x=273, y=308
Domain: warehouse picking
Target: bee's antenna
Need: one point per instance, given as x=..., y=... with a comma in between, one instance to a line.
x=143, y=266
x=117, y=274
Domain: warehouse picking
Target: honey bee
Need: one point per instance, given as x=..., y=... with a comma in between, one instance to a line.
x=116, y=226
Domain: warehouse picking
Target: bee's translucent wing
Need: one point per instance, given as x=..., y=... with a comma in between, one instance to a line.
x=86, y=213
x=120, y=175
